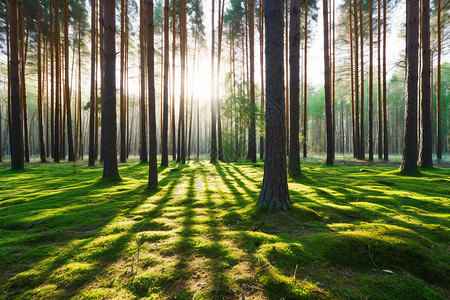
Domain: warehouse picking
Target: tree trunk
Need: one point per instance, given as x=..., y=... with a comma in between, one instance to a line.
x=23, y=97
x=213, y=100
x=153, y=164
x=122, y=81
x=357, y=125
x=16, y=135
x=370, y=81
x=425, y=154
x=274, y=193
x=361, y=139
x=174, y=141
x=219, y=51
x=409, y=160
x=183, y=42
x=56, y=151
x=252, y=128
x=93, y=91
x=294, y=60
x=261, y=62
x=66, y=82
x=438, y=104
x=286, y=11
x=385, y=135
x=39, y=70
x=165, y=152
x=110, y=160
x=329, y=127
x=305, y=79
x=352, y=79
x=79, y=149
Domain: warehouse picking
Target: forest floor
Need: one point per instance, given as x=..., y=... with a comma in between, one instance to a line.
x=353, y=232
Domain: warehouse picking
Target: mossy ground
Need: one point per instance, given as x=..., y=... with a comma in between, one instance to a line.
x=201, y=236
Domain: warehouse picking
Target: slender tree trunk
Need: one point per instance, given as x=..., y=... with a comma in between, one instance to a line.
x=122, y=80
x=41, y=129
x=361, y=139
x=370, y=81
x=261, y=64
x=294, y=60
x=52, y=80
x=357, y=125
x=93, y=91
x=252, y=128
x=438, y=104
x=409, y=160
x=352, y=79
x=213, y=100
x=102, y=83
x=110, y=160
x=286, y=11
x=16, y=135
x=385, y=140
x=56, y=150
x=305, y=93
x=274, y=193
x=66, y=82
x=165, y=152
x=80, y=149
x=334, y=79
x=379, y=95
x=329, y=127
x=219, y=51
x=153, y=164
x=23, y=58
x=183, y=42
x=192, y=97
x=174, y=141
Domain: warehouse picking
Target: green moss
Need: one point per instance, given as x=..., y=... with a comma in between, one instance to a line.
x=200, y=233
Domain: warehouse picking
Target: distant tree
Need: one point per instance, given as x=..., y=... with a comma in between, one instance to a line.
x=16, y=136
x=294, y=61
x=56, y=150
x=110, y=160
x=66, y=83
x=425, y=153
x=370, y=81
x=329, y=127
x=409, y=160
x=274, y=192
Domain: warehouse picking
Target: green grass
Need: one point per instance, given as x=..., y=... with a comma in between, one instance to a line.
x=200, y=234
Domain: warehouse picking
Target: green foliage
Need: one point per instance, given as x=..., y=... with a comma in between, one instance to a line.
x=349, y=233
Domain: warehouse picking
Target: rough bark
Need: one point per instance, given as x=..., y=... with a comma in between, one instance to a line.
x=274, y=193
x=252, y=128
x=213, y=100
x=152, y=162
x=425, y=154
x=294, y=60
x=409, y=159
x=16, y=135
x=329, y=121
x=92, y=96
x=110, y=160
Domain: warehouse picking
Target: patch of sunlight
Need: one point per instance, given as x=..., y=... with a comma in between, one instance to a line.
x=373, y=207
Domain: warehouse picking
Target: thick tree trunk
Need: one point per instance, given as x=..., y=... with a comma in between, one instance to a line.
x=409, y=160
x=329, y=127
x=16, y=135
x=294, y=59
x=93, y=91
x=425, y=154
x=274, y=193
x=152, y=162
x=110, y=160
